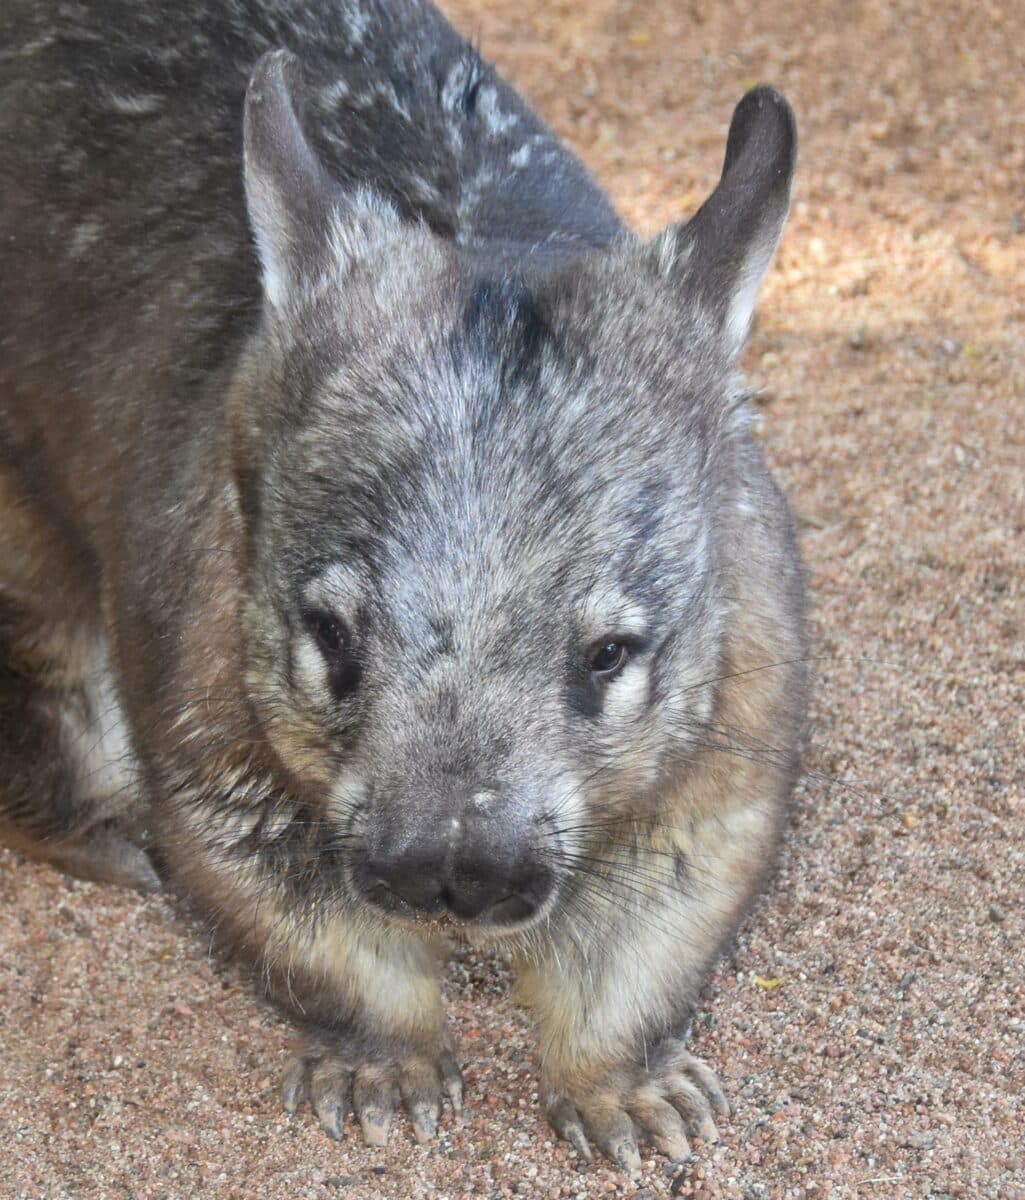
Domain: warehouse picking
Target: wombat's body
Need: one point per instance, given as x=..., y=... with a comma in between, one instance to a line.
x=410, y=571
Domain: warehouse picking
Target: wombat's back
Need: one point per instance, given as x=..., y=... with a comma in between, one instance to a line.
x=127, y=278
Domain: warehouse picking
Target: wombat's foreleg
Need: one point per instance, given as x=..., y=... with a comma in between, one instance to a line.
x=67, y=792
x=387, y=1044
x=614, y=1000
x=364, y=994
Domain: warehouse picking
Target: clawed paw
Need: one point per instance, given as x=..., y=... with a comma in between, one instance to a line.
x=339, y=1080
x=674, y=1096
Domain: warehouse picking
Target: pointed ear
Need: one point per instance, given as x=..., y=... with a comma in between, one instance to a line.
x=723, y=252
x=291, y=198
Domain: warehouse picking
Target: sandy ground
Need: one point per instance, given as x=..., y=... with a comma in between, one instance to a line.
x=888, y=1060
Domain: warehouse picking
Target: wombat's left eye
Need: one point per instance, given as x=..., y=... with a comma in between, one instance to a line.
x=607, y=658
x=330, y=633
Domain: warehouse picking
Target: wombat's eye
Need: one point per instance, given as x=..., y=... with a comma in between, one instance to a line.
x=330, y=633
x=606, y=659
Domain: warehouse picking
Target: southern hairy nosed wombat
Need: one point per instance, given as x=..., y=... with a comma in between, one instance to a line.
x=396, y=562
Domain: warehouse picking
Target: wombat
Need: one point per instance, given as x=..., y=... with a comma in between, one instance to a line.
x=385, y=554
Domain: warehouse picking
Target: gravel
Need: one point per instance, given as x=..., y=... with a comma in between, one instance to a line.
x=890, y=362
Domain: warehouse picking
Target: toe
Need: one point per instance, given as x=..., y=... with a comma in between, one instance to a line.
x=567, y=1124
x=612, y=1131
x=329, y=1095
x=693, y=1105
x=108, y=857
x=662, y=1125
x=420, y=1085
x=425, y=1121
x=452, y=1082
x=708, y=1082
x=373, y=1100
x=293, y=1084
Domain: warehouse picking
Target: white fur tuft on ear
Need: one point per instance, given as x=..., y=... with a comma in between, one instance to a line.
x=720, y=256
x=741, y=306
x=306, y=227
x=289, y=194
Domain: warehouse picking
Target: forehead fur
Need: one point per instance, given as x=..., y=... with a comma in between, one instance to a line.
x=490, y=425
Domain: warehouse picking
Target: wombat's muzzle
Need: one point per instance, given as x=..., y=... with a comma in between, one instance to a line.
x=469, y=860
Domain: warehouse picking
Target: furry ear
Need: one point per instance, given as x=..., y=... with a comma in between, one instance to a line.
x=291, y=198
x=723, y=252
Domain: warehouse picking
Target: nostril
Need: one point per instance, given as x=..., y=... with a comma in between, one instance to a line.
x=419, y=889
x=468, y=902
x=512, y=908
x=412, y=879
x=499, y=892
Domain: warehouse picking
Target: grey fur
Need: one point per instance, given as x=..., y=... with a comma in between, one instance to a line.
x=467, y=418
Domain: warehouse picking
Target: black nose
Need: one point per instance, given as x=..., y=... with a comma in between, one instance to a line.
x=461, y=873
x=467, y=891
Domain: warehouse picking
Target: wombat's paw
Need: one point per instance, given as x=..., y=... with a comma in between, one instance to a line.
x=337, y=1078
x=675, y=1094
x=106, y=857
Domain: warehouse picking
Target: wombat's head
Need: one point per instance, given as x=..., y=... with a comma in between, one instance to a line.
x=491, y=522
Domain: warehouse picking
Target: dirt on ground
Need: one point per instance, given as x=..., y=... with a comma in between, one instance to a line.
x=869, y=1024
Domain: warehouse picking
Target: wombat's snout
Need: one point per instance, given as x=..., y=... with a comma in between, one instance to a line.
x=469, y=859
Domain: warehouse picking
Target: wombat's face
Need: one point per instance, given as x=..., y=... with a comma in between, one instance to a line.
x=486, y=606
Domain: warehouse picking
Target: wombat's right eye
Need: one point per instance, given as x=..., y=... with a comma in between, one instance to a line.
x=330, y=633
x=607, y=658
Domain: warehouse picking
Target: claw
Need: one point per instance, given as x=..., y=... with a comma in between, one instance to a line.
x=293, y=1085
x=661, y=1124
x=629, y=1158
x=581, y=1145
x=425, y=1121
x=331, y=1117
x=376, y=1125
x=691, y=1103
x=566, y=1123
x=373, y=1100
x=329, y=1090
x=613, y=1132
x=454, y=1094
x=708, y=1081
x=708, y=1131
x=452, y=1083
x=675, y=1148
